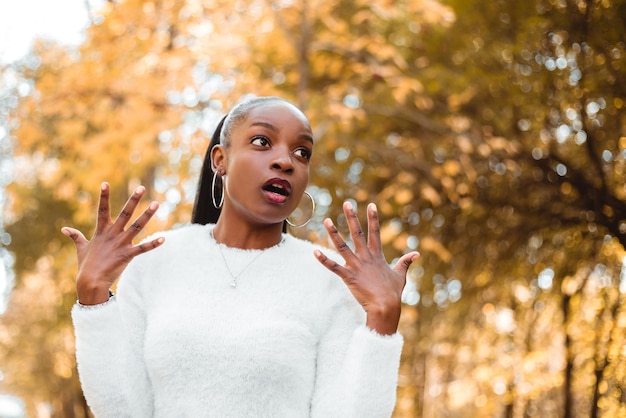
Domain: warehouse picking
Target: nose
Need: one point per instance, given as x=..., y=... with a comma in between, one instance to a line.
x=281, y=160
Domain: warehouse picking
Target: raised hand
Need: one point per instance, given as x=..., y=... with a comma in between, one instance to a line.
x=102, y=259
x=376, y=286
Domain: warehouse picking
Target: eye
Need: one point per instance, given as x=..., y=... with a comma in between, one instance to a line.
x=261, y=141
x=303, y=153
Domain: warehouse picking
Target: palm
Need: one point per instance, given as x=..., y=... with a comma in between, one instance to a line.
x=376, y=286
x=103, y=258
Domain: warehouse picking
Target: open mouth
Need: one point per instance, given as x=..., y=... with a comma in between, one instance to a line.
x=278, y=189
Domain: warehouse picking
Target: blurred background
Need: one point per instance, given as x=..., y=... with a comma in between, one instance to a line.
x=492, y=135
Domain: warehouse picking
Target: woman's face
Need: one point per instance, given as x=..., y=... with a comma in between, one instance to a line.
x=267, y=163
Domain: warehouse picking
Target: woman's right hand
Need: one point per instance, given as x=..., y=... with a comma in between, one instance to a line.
x=102, y=259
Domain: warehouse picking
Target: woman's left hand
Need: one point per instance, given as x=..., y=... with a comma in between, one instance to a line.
x=376, y=286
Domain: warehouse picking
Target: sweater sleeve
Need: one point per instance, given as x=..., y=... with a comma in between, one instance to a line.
x=109, y=346
x=357, y=368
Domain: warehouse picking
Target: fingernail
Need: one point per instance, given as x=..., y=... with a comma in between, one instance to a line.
x=103, y=186
x=154, y=205
x=373, y=207
x=140, y=189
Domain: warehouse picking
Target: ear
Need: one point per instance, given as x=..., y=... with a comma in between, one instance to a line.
x=218, y=158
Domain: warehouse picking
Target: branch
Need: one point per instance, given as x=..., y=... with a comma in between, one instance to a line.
x=409, y=115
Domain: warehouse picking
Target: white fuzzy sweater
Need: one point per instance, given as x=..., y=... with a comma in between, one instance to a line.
x=178, y=341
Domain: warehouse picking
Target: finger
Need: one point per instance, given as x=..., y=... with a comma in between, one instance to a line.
x=373, y=231
x=75, y=235
x=402, y=266
x=339, y=243
x=104, y=212
x=356, y=232
x=79, y=239
x=331, y=264
x=129, y=208
x=135, y=228
x=144, y=247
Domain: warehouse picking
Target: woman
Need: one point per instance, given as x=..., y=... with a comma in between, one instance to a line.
x=230, y=316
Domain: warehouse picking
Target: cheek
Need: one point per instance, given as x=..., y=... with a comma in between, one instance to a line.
x=242, y=174
x=307, y=172
x=301, y=184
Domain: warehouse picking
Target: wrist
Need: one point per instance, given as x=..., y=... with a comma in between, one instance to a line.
x=384, y=319
x=93, y=295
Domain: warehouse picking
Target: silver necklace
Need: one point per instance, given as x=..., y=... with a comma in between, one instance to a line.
x=234, y=277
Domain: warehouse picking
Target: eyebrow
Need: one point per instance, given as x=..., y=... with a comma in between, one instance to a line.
x=274, y=129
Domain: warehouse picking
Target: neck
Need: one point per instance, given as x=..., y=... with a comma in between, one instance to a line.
x=246, y=236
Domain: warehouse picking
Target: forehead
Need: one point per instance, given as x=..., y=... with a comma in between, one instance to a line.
x=280, y=115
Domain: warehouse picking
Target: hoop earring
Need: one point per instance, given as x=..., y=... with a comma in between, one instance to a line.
x=312, y=212
x=215, y=204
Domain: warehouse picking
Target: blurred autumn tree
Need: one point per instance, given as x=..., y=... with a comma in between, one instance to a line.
x=490, y=134
x=492, y=138
x=92, y=115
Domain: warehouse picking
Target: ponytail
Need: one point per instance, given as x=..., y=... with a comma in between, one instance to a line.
x=203, y=210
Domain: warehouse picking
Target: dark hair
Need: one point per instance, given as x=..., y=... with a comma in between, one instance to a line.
x=204, y=211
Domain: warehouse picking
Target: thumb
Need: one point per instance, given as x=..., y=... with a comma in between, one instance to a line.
x=77, y=236
x=402, y=266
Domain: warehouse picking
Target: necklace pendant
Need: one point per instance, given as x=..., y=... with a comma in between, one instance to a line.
x=233, y=284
